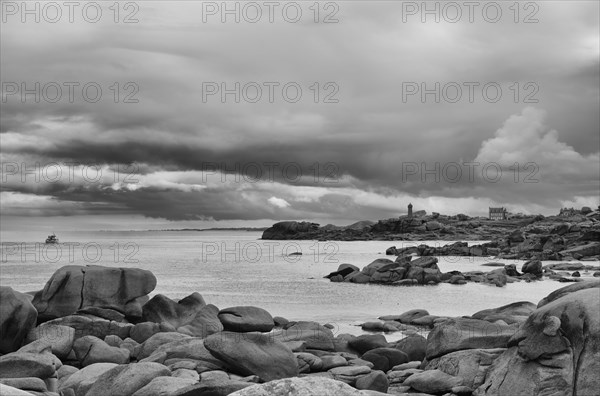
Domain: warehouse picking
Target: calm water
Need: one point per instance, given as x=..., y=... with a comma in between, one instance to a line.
x=237, y=268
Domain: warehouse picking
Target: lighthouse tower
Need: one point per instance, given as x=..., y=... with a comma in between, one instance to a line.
x=410, y=210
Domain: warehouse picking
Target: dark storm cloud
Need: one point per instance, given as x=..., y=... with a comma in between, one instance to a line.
x=373, y=136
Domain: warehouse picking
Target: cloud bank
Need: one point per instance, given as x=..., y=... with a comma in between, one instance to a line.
x=355, y=145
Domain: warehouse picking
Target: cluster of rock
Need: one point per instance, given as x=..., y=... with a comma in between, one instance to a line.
x=405, y=271
x=109, y=342
x=518, y=349
x=564, y=241
x=526, y=237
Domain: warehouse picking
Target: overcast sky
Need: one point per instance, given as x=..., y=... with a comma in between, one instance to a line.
x=341, y=131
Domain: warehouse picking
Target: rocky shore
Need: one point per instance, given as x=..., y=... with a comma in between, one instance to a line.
x=573, y=234
x=95, y=331
x=405, y=271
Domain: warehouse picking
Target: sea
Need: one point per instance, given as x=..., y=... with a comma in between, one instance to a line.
x=232, y=268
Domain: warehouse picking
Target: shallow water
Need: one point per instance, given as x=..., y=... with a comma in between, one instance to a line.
x=237, y=268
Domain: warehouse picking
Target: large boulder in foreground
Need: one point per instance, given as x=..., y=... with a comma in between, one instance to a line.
x=253, y=354
x=17, y=317
x=74, y=287
x=555, y=352
x=300, y=387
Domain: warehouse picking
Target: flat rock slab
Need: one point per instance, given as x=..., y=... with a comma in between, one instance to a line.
x=460, y=333
x=9, y=390
x=27, y=364
x=433, y=381
x=27, y=383
x=253, y=354
x=350, y=370
x=164, y=386
x=411, y=315
x=510, y=313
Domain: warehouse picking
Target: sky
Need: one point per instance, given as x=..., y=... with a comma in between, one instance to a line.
x=155, y=114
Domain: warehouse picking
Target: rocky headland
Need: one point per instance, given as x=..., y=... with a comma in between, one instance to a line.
x=573, y=234
x=95, y=331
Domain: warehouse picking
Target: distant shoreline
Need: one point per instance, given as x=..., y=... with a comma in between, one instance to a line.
x=257, y=229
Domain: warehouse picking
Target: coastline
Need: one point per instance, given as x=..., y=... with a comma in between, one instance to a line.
x=570, y=235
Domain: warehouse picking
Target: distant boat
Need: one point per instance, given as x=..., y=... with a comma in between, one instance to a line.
x=52, y=239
